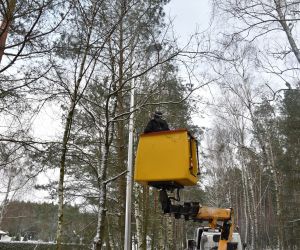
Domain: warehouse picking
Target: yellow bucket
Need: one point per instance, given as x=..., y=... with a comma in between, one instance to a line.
x=167, y=156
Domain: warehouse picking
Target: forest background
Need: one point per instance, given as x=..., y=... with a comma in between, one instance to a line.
x=76, y=60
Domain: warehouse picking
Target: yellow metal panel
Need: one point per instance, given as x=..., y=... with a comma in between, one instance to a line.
x=166, y=156
x=194, y=160
x=222, y=245
x=207, y=213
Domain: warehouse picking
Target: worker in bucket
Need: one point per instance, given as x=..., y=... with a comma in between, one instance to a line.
x=157, y=123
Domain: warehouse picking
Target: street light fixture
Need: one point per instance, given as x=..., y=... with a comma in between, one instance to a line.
x=127, y=239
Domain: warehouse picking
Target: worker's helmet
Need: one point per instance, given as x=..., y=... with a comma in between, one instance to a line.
x=158, y=114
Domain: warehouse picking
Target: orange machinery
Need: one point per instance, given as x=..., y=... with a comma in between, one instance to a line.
x=168, y=161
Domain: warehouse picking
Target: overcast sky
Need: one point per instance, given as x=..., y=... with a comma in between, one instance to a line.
x=188, y=15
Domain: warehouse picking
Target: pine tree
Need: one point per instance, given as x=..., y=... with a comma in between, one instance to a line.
x=290, y=130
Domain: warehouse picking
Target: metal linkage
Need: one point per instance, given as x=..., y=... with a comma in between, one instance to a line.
x=188, y=210
x=225, y=232
x=193, y=210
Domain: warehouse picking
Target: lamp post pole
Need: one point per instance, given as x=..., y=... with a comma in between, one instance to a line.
x=127, y=239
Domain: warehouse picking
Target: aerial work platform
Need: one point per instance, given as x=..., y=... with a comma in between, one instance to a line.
x=167, y=160
x=167, y=157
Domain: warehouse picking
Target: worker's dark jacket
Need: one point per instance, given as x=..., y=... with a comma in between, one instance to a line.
x=155, y=125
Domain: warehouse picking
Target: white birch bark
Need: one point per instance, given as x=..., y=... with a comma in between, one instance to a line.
x=62, y=173
x=5, y=201
x=110, y=234
x=160, y=236
x=252, y=206
x=145, y=215
x=98, y=239
x=102, y=170
x=275, y=177
x=245, y=205
x=170, y=232
x=67, y=130
x=138, y=218
x=282, y=20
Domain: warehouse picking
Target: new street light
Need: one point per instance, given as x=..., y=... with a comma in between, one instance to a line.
x=127, y=240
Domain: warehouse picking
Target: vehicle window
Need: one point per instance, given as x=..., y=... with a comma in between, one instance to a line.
x=232, y=246
x=216, y=238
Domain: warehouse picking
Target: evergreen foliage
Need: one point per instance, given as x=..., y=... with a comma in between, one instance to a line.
x=82, y=56
x=37, y=221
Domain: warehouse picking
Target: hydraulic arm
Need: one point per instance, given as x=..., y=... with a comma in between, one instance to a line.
x=196, y=212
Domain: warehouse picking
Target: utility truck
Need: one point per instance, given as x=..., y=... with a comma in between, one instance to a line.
x=168, y=161
x=207, y=239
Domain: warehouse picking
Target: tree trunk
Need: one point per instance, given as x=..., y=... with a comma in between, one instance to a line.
x=156, y=216
x=245, y=204
x=252, y=208
x=160, y=237
x=62, y=170
x=121, y=167
x=138, y=218
x=277, y=186
x=102, y=173
x=4, y=27
x=5, y=200
x=170, y=232
x=145, y=215
x=110, y=234
x=286, y=29
x=67, y=130
x=102, y=169
x=121, y=141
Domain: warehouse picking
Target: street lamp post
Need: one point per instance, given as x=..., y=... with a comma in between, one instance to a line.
x=127, y=239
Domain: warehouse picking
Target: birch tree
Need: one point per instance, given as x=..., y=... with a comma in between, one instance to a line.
x=82, y=54
x=26, y=39
x=258, y=21
x=112, y=85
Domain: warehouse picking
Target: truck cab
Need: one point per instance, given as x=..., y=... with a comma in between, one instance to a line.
x=208, y=239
